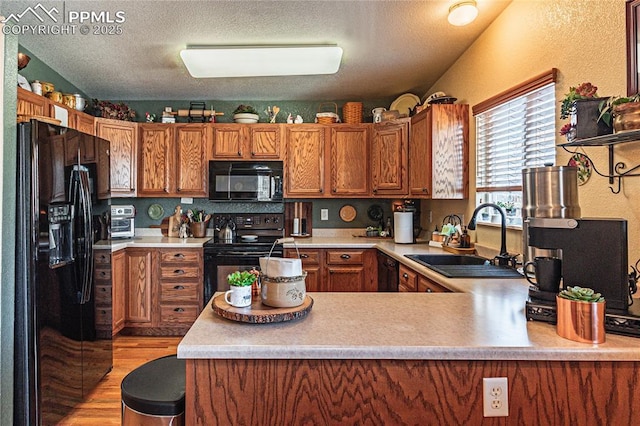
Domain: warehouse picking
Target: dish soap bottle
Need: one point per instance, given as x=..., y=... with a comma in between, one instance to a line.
x=465, y=239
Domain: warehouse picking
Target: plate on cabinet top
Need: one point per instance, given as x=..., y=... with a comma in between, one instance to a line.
x=405, y=103
x=347, y=213
x=156, y=211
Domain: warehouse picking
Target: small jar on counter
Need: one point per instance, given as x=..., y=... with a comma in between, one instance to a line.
x=465, y=239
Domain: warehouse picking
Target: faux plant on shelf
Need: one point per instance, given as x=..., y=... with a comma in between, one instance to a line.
x=584, y=91
x=119, y=111
x=245, y=114
x=581, y=294
x=245, y=109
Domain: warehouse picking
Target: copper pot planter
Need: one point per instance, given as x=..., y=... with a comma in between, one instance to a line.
x=580, y=321
x=198, y=229
x=626, y=117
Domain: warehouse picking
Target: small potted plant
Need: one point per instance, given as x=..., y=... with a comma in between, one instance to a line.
x=621, y=112
x=580, y=315
x=581, y=106
x=245, y=114
x=240, y=284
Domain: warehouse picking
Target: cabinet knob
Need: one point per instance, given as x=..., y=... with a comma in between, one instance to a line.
x=178, y=310
x=179, y=256
x=166, y=189
x=424, y=190
x=103, y=289
x=405, y=276
x=178, y=287
x=345, y=256
x=253, y=153
x=179, y=189
x=320, y=190
x=103, y=274
x=375, y=190
x=335, y=190
x=304, y=256
x=179, y=271
x=239, y=153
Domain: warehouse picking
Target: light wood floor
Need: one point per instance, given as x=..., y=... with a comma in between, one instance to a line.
x=102, y=406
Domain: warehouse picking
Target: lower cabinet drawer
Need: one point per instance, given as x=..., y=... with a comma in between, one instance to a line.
x=178, y=314
x=102, y=295
x=345, y=257
x=176, y=271
x=103, y=316
x=102, y=273
x=179, y=292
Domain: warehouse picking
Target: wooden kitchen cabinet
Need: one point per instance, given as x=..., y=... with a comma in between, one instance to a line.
x=304, y=161
x=439, y=152
x=338, y=270
x=412, y=281
x=123, y=137
x=118, y=282
x=164, y=290
x=82, y=122
x=312, y=263
x=425, y=285
x=103, y=293
x=349, y=160
x=389, y=147
x=407, y=279
x=180, y=288
x=172, y=160
x=139, y=284
x=31, y=104
x=246, y=142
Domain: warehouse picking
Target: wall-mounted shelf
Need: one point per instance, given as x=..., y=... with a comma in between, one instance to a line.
x=615, y=170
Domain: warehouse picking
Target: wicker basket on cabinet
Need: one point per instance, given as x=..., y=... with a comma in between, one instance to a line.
x=352, y=112
x=325, y=117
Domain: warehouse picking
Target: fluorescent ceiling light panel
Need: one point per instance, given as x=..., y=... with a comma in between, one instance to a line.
x=211, y=62
x=463, y=13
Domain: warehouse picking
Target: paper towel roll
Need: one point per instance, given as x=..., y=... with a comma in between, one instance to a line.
x=403, y=227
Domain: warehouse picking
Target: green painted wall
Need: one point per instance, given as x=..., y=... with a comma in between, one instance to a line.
x=38, y=70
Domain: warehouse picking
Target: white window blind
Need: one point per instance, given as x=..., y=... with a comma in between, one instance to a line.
x=513, y=135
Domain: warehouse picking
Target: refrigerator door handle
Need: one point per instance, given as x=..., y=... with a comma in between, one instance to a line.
x=85, y=198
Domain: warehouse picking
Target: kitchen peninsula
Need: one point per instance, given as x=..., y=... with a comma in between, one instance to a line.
x=405, y=358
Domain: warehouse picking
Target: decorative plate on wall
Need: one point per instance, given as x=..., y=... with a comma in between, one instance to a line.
x=583, y=164
x=347, y=213
x=156, y=211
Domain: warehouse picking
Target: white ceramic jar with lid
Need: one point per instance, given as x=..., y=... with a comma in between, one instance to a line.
x=36, y=87
x=80, y=102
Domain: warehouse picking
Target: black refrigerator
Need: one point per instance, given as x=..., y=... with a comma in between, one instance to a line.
x=61, y=352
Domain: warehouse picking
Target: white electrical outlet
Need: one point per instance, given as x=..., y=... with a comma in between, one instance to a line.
x=495, y=397
x=324, y=214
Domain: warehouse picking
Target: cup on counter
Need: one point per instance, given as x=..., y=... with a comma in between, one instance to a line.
x=239, y=297
x=547, y=271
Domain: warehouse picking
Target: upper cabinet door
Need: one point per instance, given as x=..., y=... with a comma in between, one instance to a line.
x=349, y=160
x=155, y=160
x=228, y=141
x=123, y=137
x=304, y=161
x=389, y=153
x=450, y=151
x=420, y=156
x=264, y=141
x=191, y=162
x=31, y=104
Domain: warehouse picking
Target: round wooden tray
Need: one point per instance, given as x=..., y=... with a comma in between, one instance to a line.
x=258, y=313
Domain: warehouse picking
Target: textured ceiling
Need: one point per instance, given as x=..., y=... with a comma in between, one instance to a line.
x=390, y=47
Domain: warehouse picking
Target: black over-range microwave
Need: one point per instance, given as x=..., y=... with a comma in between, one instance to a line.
x=245, y=180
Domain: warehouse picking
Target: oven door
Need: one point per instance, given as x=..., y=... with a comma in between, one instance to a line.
x=219, y=264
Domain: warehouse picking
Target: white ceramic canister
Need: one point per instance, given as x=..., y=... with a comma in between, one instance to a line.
x=283, y=292
x=377, y=114
x=80, y=102
x=36, y=87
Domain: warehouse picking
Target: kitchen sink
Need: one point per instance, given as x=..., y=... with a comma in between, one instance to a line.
x=463, y=266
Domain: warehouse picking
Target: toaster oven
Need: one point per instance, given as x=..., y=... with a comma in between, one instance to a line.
x=122, y=222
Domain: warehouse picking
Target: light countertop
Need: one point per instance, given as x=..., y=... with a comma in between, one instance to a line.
x=399, y=326
x=483, y=319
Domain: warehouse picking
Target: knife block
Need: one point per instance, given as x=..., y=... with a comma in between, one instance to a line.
x=304, y=212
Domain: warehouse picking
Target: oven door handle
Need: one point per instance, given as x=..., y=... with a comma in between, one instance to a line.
x=243, y=253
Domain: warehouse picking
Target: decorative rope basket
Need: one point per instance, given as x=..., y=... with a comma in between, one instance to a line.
x=325, y=117
x=352, y=112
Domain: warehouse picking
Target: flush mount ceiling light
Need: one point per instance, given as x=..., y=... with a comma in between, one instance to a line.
x=463, y=13
x=255, y=61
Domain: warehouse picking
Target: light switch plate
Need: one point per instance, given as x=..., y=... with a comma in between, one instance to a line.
x=324, y=214
x=186, y=200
